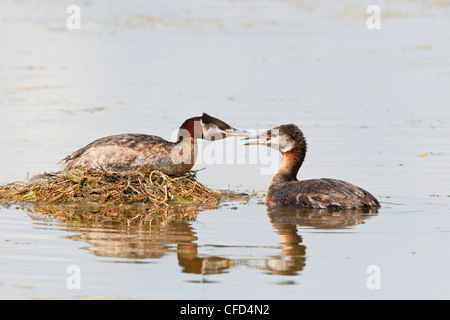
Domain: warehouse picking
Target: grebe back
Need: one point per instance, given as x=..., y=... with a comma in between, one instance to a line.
x=127, y=151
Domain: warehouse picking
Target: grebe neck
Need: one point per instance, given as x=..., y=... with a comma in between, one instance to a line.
x=184, y=151
x=291, y=163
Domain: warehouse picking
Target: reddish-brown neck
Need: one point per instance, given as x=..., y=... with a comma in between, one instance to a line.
x=191, y=128
x=291, y=163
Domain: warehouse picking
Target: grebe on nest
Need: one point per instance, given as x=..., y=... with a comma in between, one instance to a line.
x=284, y=188
x=127, y=151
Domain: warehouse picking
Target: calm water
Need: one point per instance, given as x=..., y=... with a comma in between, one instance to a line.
x=373, y=104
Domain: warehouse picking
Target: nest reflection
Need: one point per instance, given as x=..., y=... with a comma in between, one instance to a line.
x=140, y=234
x=135, y=233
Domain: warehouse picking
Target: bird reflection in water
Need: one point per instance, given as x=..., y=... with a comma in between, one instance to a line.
x=139, y=236
x=136, y=235
x=287, y=220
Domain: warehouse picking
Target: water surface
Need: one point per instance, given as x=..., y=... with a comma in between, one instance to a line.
x=373, y=104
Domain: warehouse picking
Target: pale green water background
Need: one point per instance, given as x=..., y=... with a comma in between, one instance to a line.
x=373, y=104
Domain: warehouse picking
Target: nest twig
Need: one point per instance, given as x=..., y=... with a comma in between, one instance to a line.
x=140, y=186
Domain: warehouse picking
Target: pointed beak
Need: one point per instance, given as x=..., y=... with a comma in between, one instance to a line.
x=237, y=132
x=260, y=141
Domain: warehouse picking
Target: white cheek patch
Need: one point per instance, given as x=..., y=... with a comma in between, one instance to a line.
x=287, y=147
x=211, y=132
x=281, y=144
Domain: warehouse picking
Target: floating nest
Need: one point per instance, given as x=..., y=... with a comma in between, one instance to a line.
x=142, y=186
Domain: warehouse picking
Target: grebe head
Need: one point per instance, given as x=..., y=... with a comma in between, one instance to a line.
x=215, y=129
x=282, y=138
x=209, y=128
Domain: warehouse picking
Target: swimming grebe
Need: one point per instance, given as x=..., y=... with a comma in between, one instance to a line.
x=128, y=151
x=284, y=188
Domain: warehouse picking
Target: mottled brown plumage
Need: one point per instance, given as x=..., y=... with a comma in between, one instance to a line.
x=285, y=190
x=128, y=151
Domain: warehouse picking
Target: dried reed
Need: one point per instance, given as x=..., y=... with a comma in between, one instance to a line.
x=111, y=188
